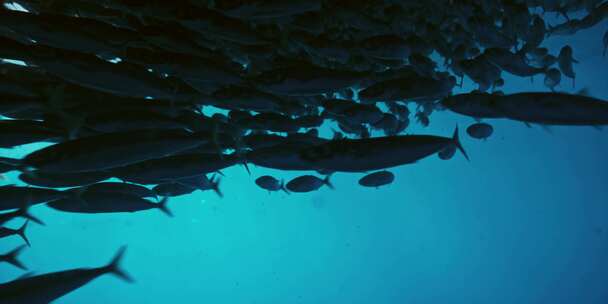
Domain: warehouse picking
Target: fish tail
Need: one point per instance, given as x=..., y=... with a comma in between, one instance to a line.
x=114, y=266
x=282, y=186
x=12, y=259
x=456, y=141
x=162, y=205
x=21, y=233
x=327, y=182
x=24, y=212
x=215, y=185
x=246, y=167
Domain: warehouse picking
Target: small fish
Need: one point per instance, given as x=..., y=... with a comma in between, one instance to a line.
x=552, y=78
x=270, y=183
x=480, y=130
x=377, y=179
x=447, y=153
x=308, y=183
x=49, y=287
x=566, y=61
x=11, y=258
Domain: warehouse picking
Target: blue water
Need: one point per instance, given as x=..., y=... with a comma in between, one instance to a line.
x=525, y=221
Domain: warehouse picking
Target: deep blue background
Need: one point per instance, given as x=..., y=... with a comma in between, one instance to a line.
x=525, y=221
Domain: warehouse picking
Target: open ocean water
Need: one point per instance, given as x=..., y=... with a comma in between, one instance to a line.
x=524, y=221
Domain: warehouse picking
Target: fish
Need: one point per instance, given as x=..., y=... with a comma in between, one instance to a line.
x=566, y=61
x=107, y=202
x=377, y=179
x=480, y=130
x=513, y=63
x=361, y=155
x=127, y=188
x=307, y=183
x=306, y=80
x=176, y=166
x=21, y=212
x=6, y=232
x=408, y=88
x=46, y=288
x=20, y=132
x=111, y=150
x=11, y=258
x=283, y=156
x=12, y=197
x=447, y=153
x=475, y=104
x=270, y=184
x=549, y=108
x=73, y=33
x=63, y=180
x=552, y=78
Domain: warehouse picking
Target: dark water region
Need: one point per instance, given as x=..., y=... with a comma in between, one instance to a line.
x=303, y=151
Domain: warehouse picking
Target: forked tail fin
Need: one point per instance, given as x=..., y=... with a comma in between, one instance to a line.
x=456, y=141
x=162, y=205
x=21, y=233
x=11, y=258
x=327, y=182
x=114, y=266
x=24, y=213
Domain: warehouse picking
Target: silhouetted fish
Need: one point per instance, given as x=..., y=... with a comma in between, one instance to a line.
x=46, y=288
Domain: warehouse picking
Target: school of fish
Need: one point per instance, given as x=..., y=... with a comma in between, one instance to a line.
x=122, y=90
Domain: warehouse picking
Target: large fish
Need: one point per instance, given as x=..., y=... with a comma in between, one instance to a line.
x=360, y=155
x=46, y=288
x=107, y=202
x=112, y=150
x=176, y=167
x=13, y=197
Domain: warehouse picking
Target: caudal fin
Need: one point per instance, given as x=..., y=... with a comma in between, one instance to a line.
x=162, y=205
x=215, y=185
x=24, y=213
x=21, y=233
x=327, y=182
x=11, y=258
x=283, y=187
x=456, y=141
x=114, y=266
x=246, y=167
